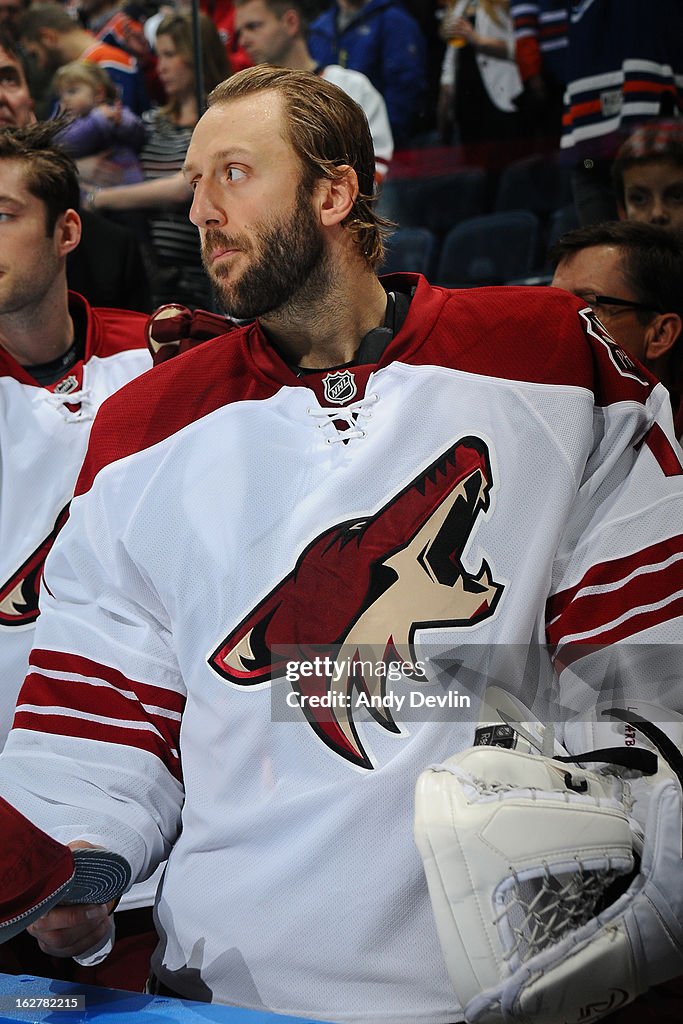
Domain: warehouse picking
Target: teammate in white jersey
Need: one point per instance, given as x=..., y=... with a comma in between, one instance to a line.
x=375, y=470
x=59, y=360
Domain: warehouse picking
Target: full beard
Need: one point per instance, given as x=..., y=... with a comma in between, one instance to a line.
x=289, y=265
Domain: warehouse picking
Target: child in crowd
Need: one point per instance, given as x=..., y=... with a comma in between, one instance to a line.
x=100, y=122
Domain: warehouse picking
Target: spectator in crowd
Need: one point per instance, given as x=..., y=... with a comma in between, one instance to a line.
x=256, y=496
x=116, y=23
x=38, y=80
x=631, y=275
x=99, y=122
x=624, y=66
x=222, y=14
x=16, y=103
x=10, y=11
x=480, y=80
x=647, y=174
x=274, y=32
x=106, y=268
x=53, y=38
x=541, y=41
x=60, y=359
x=175, y=264
x=380, y=39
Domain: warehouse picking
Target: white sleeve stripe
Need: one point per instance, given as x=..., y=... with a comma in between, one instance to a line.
x=118, y=723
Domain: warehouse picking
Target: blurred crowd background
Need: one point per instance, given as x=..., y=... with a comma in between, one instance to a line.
x=496, y=124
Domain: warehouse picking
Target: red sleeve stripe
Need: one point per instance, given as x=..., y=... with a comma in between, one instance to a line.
x=53, y=679
x=659, y=444
x=620, y=611
x=68, y=664
x=618, y=572
x=57, y=723
x=582, y=626
x=97, y=701
x=572, y=651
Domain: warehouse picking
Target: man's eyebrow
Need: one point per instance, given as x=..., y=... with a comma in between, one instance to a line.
x=223, y=156
x=9, y=69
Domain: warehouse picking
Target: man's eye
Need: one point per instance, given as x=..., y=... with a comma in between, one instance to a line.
x=637, y=198
x=675, y=195
x=234, y=174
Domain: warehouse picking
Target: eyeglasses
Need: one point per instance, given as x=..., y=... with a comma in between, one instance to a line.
x=595, y=301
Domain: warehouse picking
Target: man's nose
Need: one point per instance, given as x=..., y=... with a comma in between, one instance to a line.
x=206, y=210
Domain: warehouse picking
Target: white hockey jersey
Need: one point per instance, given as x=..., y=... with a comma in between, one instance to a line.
x=44, y=434
x=504, y=478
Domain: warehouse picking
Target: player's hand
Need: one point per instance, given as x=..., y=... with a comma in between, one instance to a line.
x=70, y=931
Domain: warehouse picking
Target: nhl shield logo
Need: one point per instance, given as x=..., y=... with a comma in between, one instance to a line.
x=339, y=387
x=66, y=386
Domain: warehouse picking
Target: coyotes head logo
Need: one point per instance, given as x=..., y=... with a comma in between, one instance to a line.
x=369, y=584
x=19, y=594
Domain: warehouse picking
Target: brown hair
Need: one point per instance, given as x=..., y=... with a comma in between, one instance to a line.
x=651, y=259
x=91, y=74
x=49, y=173
x=214, y=58
x=655, y=142
x=327, y=130
x=40, y=16
x=306, y=9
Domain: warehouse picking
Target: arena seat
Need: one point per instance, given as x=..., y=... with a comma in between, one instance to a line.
x=536, y=183
x=410, y=250
x=562, y=220
x=491, y=249
x=435, y=203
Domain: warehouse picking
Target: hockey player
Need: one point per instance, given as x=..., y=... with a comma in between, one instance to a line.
x=59, y=360
x=337, y=506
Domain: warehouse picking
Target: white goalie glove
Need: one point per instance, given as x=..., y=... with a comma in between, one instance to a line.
x=523, y=857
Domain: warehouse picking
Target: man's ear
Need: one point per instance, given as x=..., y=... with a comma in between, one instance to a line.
x=67, y=232
x=337, y=195
x=621, y=211
x=48, y=37
x=291, y=20
x=661, y=334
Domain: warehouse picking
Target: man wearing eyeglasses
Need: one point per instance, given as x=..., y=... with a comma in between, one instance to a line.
x=631, y=275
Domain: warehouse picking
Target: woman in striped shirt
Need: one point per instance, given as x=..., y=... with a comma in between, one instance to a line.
x=173, y=245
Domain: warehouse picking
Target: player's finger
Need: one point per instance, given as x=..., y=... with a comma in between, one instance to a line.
x=69, y=931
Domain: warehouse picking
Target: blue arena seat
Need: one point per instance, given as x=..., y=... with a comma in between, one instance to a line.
x=491, y=249
x=411, y=250
x=434, y=203
x=562, y=220
x=536, y=183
